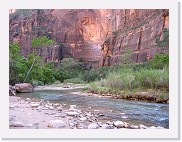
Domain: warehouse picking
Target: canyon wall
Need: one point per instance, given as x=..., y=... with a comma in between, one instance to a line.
x=97, y=37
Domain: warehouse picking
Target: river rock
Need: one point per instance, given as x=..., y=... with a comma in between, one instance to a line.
x=141, y=126
x=17, y=124
x=11, y=117
x=159, y=127
x=105, y=126
x=56, y=124
x=12, y=91
x=59, y=108
x=93, y=126
x=24, y=88
x=83, y=118
x=71, y=113
x=72, y=106
x=35, y=104
x=133, y=127
x=119, y=124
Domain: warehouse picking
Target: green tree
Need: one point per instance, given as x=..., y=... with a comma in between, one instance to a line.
x=37, y=42
x=164, y=42
x=17, y=64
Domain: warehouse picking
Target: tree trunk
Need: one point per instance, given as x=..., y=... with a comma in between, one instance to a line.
x=31, y=67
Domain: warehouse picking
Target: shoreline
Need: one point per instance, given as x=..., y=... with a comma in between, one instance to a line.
x=38, y=114
x=148, y=96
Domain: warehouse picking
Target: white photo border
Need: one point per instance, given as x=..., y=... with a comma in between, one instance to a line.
x=171, y=133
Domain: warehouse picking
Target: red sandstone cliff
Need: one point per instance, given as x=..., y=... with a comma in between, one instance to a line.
x=97, y=37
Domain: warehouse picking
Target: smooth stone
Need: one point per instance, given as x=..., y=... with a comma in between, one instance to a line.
x=13, y=106
x=133, y=127
x=17, y=124
x=11, y=117
x=101, y=114
x=59, y=108
x=124, y=117
x=71, y=124
x=72, y=106
x=76, y=110
x=105, y=126
x=83, y=118
x=51, y=107
x=119, y=124
x=44, y=108
x=57, y=115
x=70, y=113
x=152, y=127
x=28, y=125
x=123, y=113
x=141, y=126
x=34, y=104
x=56, y=124
x=93, y=126
x=159, y=127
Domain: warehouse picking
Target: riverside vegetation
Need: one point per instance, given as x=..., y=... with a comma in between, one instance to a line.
x=125, y=80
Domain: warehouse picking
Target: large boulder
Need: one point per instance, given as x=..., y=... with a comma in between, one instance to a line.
x=24, y=88
x=12, y=90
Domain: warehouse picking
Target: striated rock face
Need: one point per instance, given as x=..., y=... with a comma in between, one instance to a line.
x=97, y=37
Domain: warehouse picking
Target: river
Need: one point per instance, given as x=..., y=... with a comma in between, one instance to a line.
x=133, y=112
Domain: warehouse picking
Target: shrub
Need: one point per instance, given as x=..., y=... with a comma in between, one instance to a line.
x=91, y=75
x=159, y=61
x=69, y=68
x=74, y=80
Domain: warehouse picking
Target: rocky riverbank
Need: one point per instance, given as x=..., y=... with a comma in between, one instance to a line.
x=39, y=114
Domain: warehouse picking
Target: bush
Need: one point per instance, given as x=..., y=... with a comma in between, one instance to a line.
x=91, y=75
x=74, y=80
x=127, y=79
x=68, y=69
x=159, y=61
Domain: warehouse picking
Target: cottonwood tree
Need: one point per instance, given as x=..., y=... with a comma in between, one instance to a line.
x=38, y=43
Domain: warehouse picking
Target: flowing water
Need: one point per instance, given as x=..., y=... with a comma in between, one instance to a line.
x=134, y=112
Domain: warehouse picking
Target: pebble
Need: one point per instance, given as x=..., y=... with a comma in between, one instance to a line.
x=101, y=114
x=133, y=127
x=119, y=124
x=13, y=106
x=17, y=124
x=51, y=107
x=33, y=104
x=83, y=118
x=28, y=125
x=124, y=117
x=93, y=126
x=57, y=115
x=141, y=126
x=71, y=113
x=59, y=108
x=105, y=126
x=11, y=117
x=72, y=106
x=56, y=124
